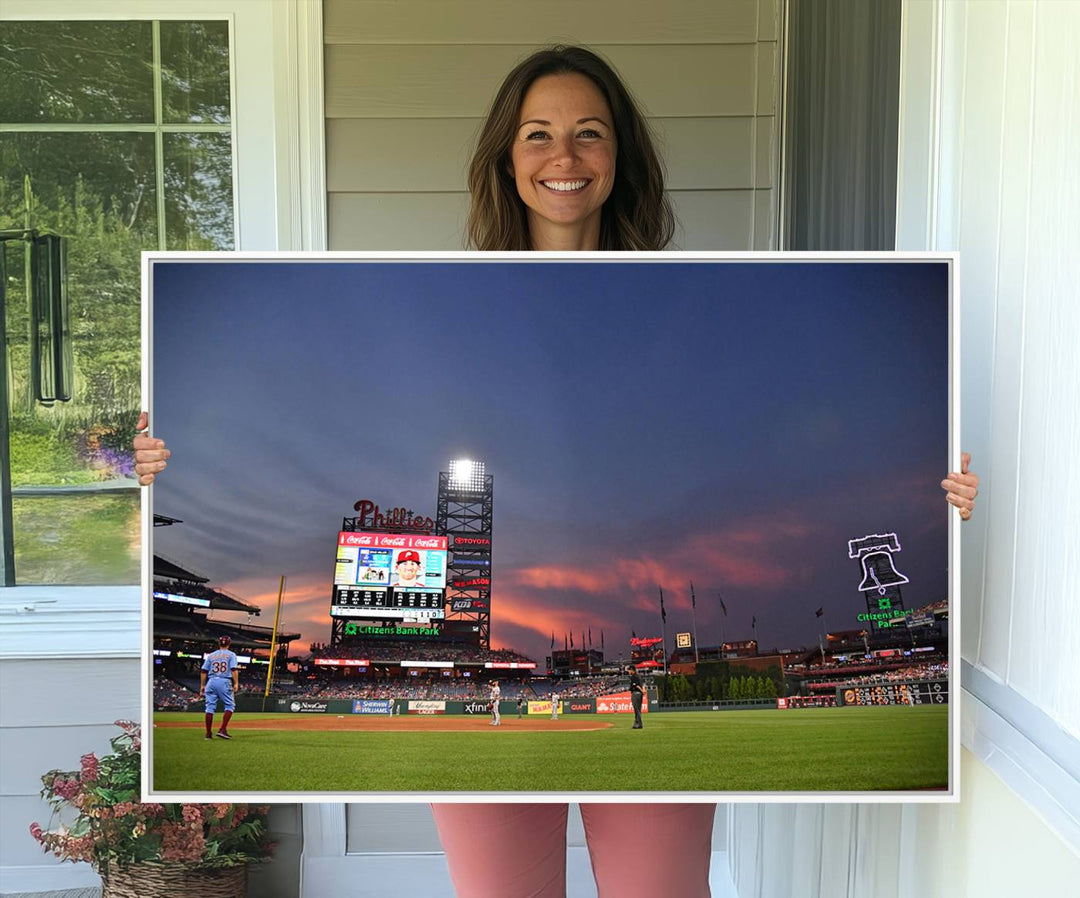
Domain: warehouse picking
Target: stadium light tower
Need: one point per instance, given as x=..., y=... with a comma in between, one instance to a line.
x=466, y=475
x=463, y=514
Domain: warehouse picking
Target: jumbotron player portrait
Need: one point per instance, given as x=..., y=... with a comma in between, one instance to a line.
x=407, y=570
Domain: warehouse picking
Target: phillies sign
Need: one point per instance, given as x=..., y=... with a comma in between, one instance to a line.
x=394, y=519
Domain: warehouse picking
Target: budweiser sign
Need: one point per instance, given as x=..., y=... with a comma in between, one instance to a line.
x=372, y=517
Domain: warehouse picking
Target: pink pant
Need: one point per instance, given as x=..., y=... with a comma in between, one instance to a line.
x=519, y=850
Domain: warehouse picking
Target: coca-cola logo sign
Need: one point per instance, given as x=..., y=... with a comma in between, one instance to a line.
x=390, y=541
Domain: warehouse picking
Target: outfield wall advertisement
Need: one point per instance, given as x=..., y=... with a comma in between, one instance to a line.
x=618, y=703
x=543, y=708
x=372, y=706
x=426, y=707
x=298, y=706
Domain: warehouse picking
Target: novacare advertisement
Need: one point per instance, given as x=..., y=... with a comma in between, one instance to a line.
x=303, y=707
x=618, y=703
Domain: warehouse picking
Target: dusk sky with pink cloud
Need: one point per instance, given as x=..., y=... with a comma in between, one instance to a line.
x=647, y=424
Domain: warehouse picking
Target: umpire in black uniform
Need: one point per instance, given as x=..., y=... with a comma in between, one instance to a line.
x=637, y=692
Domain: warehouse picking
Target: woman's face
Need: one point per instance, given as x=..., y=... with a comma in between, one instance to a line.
x=563, y=157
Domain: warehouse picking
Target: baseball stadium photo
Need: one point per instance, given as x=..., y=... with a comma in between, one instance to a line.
x=719, y=561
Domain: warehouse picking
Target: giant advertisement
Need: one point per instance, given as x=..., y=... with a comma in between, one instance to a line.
x=390, y=575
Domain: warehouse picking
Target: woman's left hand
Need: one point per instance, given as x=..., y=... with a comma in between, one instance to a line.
x=962, y=488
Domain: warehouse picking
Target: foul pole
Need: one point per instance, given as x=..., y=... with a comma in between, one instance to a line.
x=273, y=641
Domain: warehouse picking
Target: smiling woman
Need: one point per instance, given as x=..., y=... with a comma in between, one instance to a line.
x=565, y=161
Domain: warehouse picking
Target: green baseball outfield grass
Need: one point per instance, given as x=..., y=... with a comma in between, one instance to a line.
x=814, y=749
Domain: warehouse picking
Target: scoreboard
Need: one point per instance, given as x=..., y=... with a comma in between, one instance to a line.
x=390, y=576
x=353, y=601
x=925, y=692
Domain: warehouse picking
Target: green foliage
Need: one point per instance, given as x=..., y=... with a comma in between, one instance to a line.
x=678, y=689
x=99, y=190
x=87, y=539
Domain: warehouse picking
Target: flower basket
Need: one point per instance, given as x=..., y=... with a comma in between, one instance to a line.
x=149, y=850
x=173, y=880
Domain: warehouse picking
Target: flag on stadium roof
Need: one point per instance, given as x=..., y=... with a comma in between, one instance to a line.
x=723, y=607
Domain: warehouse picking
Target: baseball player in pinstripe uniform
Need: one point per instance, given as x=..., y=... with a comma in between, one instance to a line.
x=495, y=694
x=219, y=679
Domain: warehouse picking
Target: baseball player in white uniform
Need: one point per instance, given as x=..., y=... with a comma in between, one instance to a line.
x=554, y=706
x=495, y=693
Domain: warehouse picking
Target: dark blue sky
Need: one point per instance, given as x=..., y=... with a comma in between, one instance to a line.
x=646, y=423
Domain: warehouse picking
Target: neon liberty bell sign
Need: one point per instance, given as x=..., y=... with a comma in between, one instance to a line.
x=881, y=580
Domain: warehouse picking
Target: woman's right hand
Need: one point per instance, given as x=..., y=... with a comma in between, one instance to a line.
x=150, y=453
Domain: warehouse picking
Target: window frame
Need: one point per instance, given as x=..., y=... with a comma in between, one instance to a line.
x=277, y=128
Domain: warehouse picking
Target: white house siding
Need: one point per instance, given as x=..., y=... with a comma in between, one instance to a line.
x=408, y=83
x=69, y=667
x=989, y=138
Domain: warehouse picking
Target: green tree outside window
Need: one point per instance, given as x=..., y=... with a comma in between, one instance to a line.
x=117, y=136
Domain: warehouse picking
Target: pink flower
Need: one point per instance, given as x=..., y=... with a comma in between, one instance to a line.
x=192, y=813
x=36, y=832
x=65, y=788
x=181, y=842
x=89, y=768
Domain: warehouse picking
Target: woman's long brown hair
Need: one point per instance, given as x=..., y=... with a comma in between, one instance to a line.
x=636, y=216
